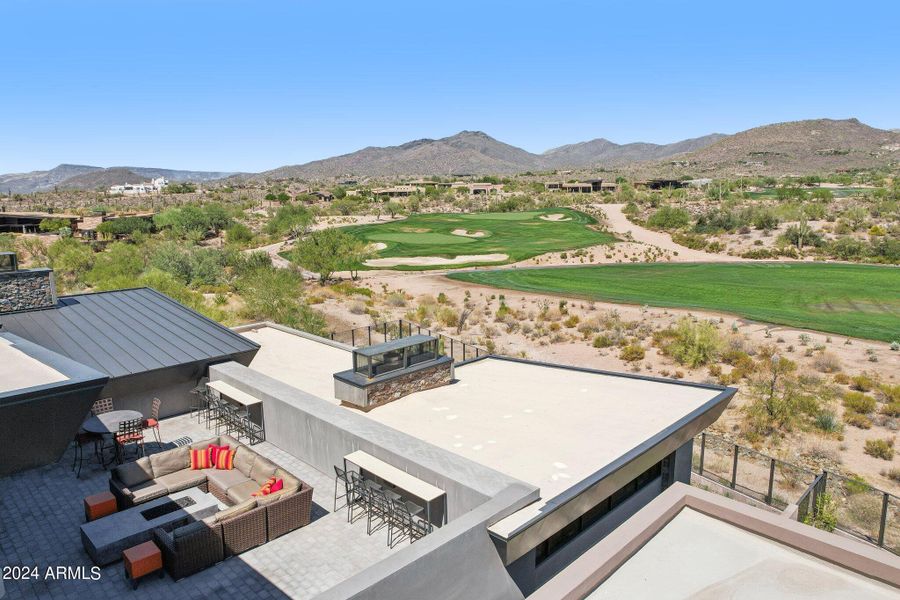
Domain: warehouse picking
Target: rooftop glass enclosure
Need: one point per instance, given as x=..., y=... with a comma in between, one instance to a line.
x=397, y=354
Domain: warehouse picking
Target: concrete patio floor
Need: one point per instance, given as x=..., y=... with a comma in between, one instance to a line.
x=41, y=512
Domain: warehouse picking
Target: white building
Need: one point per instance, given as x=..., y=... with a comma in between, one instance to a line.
x=155, y=185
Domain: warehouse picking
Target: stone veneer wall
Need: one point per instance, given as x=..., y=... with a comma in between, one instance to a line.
x=27, y=290
x=404, y=385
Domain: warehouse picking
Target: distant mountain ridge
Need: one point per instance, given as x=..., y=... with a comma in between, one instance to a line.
x=85, y=177
x=793, y=148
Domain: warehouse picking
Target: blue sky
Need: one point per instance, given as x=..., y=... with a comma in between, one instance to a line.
x=224, y=85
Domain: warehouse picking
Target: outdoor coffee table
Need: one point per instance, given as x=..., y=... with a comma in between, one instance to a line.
x=106, y=538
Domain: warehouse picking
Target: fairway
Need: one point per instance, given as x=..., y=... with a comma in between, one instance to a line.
x=518, y=236
x=854, y=300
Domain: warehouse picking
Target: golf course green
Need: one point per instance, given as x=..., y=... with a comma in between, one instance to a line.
x=518, y=236
x=853, y=300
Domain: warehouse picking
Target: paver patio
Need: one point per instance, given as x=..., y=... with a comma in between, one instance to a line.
x=41, y=511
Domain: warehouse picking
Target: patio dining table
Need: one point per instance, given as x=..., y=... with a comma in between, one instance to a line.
x=108, y=423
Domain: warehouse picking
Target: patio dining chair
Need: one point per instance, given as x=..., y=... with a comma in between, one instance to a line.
x=104, y=405
x=82, y=439
x=200, y=401
x=378, y=510
x=405, y=522
x=129, y=432
x=152, y=422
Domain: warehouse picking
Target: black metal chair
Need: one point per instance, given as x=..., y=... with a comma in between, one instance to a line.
x=378, y=510
x=82, y=439
x=405, y=522
x=200, y=401
x=104, y=405
x=129, y=432
x=254, y=432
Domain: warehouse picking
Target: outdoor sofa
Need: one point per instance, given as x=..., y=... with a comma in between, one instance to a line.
x=189, y=546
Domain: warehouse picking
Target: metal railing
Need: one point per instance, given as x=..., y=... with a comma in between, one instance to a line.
x=386, y=331
x=862, y=511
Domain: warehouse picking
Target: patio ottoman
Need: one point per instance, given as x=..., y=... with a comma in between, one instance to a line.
x=142, y=560
x=99, y=505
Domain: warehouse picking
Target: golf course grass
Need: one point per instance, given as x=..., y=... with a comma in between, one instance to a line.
x=518, y=235
x=853, y=300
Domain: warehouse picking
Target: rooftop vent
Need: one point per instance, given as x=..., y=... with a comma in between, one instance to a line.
x=386, y=372
x=24, y=289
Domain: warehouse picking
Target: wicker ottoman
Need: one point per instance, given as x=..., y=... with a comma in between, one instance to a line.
x=142, y=560
x=99, y=505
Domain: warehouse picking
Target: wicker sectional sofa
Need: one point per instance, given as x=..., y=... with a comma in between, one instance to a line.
x=189, y=546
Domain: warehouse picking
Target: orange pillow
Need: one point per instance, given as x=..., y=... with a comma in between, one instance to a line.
x=214, y=452
x=200, y=459
x=266, y=489
x=225, y=459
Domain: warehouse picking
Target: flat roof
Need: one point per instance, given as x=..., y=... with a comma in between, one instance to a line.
x=698, y=556
x=126, y=332
x=546, y=425
x=552, y=426
x=307, y=364
x=19, y=370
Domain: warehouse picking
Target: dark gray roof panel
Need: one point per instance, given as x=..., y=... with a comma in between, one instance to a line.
x=125, y=332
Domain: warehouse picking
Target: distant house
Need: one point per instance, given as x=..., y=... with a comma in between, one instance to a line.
x=130, y=189
x=30, y=222
x=578, y=188
x=323, y=195
x=476, y=189
x=659, y=184
x=397, y=191
x=553, y=185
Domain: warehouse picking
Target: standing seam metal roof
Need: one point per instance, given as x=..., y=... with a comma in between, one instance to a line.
x=125, y=332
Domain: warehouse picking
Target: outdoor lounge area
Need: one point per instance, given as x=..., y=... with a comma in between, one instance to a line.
x=44, y=515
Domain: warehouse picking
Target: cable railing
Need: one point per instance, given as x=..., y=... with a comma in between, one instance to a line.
x=859, y=509
x=386, y=331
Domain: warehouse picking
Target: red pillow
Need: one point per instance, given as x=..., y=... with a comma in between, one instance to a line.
x=214, y=452
x=277, y=486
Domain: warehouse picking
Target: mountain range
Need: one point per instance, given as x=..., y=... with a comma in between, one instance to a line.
x=793, y=148
x=85, y=177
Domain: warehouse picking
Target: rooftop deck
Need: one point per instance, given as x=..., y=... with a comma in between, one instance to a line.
x=41, y=513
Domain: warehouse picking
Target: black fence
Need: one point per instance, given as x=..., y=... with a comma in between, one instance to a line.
x=386, y=331
x=859, y=509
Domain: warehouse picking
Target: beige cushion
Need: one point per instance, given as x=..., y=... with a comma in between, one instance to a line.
x=134, y=473
x=263, y=500
x=289, y=480
x=262, y=469
x=170, y=461
x=181, y=480
x=243, y=491
x=227, y=440
x=224, y=479
x=244, y=458
x=149, y=490
x=237, y=509
x=202, y=445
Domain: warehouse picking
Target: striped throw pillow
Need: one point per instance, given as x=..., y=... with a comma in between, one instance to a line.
x=225, y=460
x=200, y=459
x=266, y=488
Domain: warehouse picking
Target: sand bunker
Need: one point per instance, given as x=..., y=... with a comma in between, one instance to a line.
x=414, y=229
x=376, y=246
x=555, y=217
x=467, y=233
x=435, y=261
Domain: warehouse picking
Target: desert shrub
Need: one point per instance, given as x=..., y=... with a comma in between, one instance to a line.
x=827, y=362
x=237, y=233
x=893, y=475
x=669, y=217
x=857, y=420
x=692, y=344
x=571, y=321
x=828, y=422
x=889, y=393
x=603, y=341
x=841, y=378
x=883, y=449
x=864, y=510
x=357, y=307
x=447, y=316
x=348, y=289
x=859, y=402
x=694, y=241
x=862, y=382
x=891, y=409
x=856, y=485
x=825, y=516
x=395, y=299
x=632, y=352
